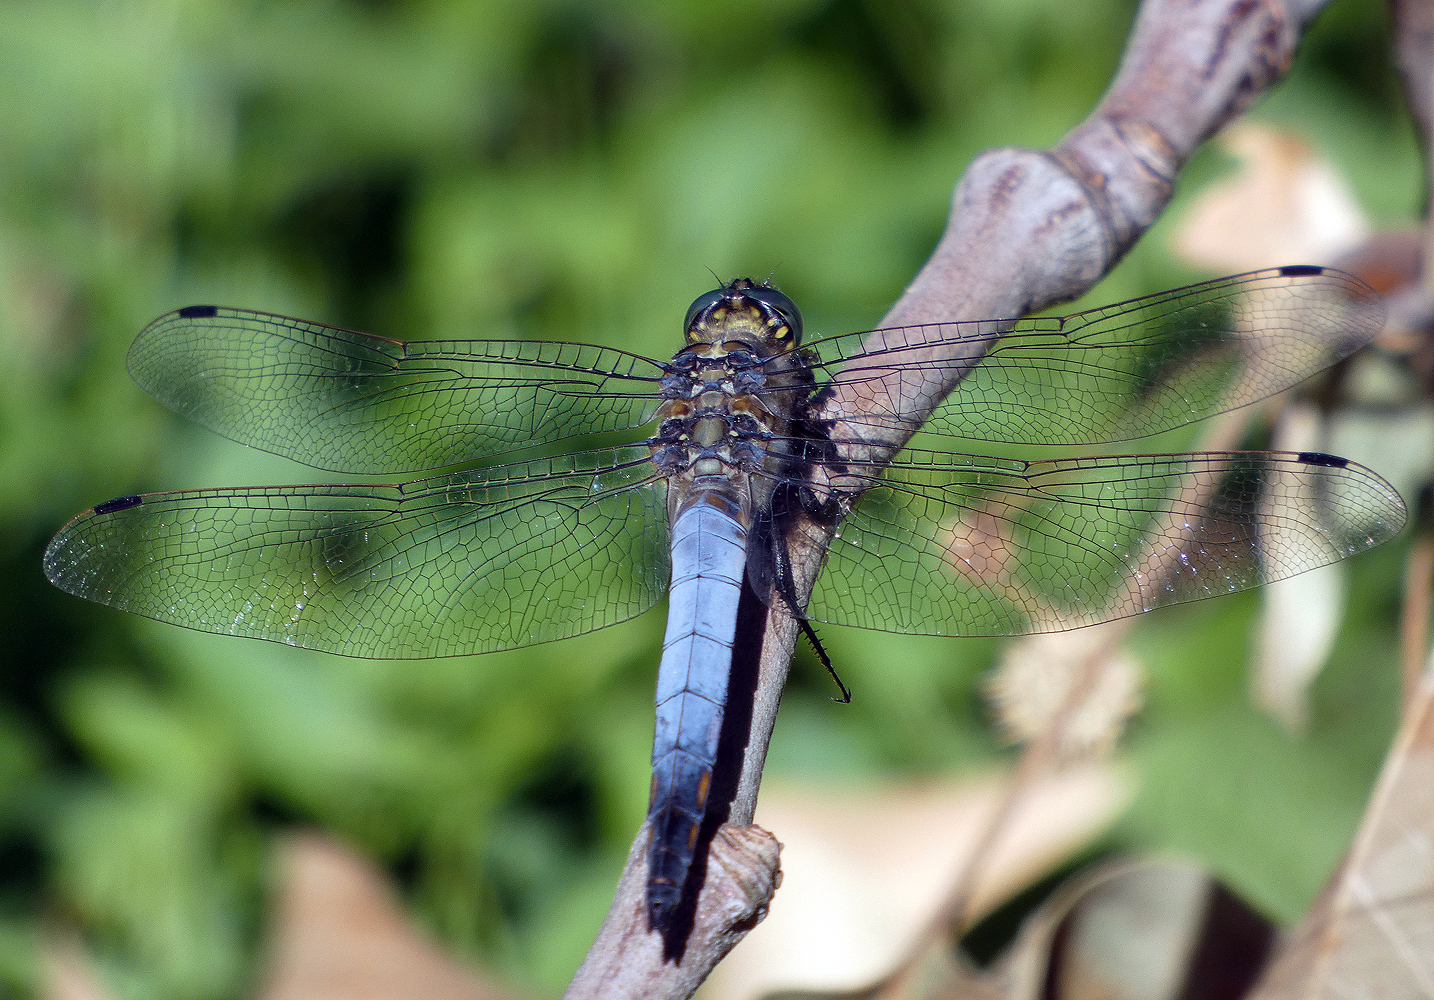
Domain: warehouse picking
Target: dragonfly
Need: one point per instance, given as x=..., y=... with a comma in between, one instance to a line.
x=733, y=459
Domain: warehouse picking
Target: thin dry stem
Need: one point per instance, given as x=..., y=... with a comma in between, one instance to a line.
x=1414, y=616
x=1414, y=56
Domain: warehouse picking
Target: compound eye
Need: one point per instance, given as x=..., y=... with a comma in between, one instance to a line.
x=784, y=307
x=701, y=304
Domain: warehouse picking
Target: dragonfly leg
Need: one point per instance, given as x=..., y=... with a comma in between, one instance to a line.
x=821, y=652
x=784, y=584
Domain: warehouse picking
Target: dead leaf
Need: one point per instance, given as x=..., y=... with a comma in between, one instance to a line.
x=337, y=933
x=866, y=872
x=1153, y=929
x=69, y=974
x=1284, y=205
x=1299, y=617
x=1371, y=934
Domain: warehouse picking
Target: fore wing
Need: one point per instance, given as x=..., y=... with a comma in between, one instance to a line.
x=350, y=402
x=1112, y=374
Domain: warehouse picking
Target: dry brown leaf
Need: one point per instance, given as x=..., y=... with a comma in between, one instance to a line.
x=69, y=974
x=865, y=872
x=1299, y=621
x=1300, y=616
x=1285, y=205
x=337, y=933
x=1138, y=930
x=1371, y=934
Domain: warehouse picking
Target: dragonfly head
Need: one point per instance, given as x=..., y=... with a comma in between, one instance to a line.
x=744, y=310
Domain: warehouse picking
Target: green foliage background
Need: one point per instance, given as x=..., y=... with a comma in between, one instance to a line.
x=557, y=170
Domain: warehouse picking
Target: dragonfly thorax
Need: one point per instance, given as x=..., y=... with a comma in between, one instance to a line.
x=714, y=434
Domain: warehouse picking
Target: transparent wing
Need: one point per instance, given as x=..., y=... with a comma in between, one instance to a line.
x=948, y=544
x=349, y=402
x=1120, y=372
x=464, y=563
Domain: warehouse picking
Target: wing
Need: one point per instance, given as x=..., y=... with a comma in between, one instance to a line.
x=1117, y=373
x=349, y=402
x=948, y=544
x=464, y=563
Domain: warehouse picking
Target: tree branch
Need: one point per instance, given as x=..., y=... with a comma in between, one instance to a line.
x=1028, y=228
